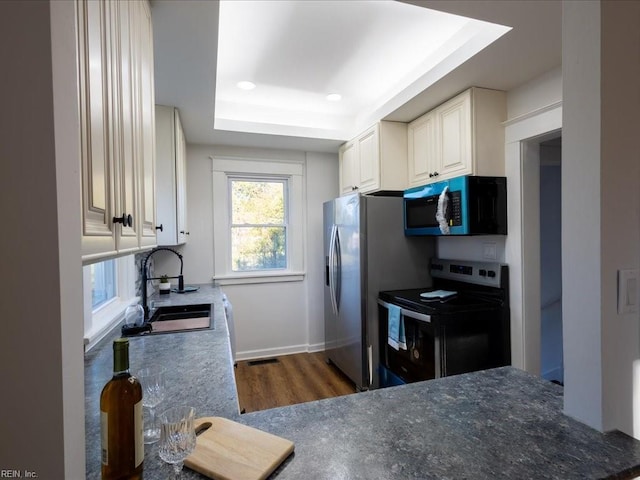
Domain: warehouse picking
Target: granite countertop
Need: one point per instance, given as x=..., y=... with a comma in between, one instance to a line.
x=199, y=373
x=496, y=424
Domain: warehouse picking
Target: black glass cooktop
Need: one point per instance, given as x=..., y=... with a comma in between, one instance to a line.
x=462, y=301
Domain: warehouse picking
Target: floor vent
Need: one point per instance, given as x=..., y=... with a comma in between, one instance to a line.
x=263, y=361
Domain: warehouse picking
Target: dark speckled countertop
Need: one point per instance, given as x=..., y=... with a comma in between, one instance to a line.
x=497, y=424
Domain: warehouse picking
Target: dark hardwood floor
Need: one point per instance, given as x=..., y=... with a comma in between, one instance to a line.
x=289, y=379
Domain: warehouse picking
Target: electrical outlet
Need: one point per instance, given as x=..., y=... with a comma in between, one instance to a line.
x=489, y=251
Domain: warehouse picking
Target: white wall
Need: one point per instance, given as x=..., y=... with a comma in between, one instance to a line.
x=41, y=348
x=471, y=248
x=601, y=173
x=270, y=318
x=534, y=110
x=538, y=93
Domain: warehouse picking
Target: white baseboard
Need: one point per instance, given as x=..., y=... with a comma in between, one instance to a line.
x=316, y=347
x=276, y=352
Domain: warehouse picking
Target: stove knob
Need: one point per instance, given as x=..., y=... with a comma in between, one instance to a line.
x=483, y=272
x=491, y=274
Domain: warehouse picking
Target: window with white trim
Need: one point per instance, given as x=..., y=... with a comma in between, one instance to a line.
x=103, y=283
x=258, y=211
x=109, y=288
x=258, y=223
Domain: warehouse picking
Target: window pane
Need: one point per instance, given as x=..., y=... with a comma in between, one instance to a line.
x=257, y=202
x=103, y=282
x=258, y=248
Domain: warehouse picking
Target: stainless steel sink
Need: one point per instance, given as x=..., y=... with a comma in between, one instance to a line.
x=180, y=318
x=175, y=318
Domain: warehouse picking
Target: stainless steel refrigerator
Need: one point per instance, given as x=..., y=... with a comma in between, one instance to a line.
x=365, y=252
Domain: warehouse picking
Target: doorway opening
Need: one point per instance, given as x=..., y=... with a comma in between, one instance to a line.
x=541, y=255
x=551, y=352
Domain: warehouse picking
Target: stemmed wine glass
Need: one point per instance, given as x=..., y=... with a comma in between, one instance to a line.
x=153, y=382
x=177, y=436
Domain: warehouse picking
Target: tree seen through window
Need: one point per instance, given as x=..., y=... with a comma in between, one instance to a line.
x=258, y=224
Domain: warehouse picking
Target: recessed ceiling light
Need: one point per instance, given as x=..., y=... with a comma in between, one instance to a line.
x=246, y=85
x=334, y=97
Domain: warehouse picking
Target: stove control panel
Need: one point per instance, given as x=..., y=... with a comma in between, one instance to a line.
x=480, y=273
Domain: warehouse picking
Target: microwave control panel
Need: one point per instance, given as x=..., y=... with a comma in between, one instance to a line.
x=455, y=208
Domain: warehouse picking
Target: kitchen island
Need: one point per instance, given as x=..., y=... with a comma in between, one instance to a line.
x=495, y=424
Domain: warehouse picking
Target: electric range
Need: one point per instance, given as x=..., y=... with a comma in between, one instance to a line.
x=457, y=325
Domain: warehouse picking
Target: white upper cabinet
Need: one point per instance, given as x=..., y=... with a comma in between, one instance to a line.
x=422, y=161
x=146, y=123
x=463, y=136
x=115, y=62
x=349, y=170
x=98, y=182
x=375, y=160
x=171, y=177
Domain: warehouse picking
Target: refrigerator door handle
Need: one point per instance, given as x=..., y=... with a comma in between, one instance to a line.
x=370, y=363
x=332, y=275
x=338, y=284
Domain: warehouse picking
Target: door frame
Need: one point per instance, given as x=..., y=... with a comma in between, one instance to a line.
x=522, y=247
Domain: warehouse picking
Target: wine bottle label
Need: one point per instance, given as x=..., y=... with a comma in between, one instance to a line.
x=138, y=428
x=104, y=436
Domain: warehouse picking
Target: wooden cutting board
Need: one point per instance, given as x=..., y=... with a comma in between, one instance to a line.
x=228, y=450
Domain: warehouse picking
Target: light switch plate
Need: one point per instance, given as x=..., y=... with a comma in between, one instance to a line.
x=627, y=291
x=489, y=251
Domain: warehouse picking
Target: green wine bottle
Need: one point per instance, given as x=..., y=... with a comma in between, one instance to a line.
x=121, y=419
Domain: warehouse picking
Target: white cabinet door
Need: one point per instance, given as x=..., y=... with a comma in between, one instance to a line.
x=422, y=154
x=463, y=136
x=116, y=112
x=368, y=145
x=171, y=177
x=123, y=127
x=146, y=123
x=375, y=160
x=181, y=181
x=98, y=235
x=454, y=136
x=348, y=167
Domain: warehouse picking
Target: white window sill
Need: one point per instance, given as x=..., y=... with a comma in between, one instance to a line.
x=259, y=277
x=105, y=320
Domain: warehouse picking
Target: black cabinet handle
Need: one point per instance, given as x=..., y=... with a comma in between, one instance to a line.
x=161, y=228
x=183, y=232
x=125, y=220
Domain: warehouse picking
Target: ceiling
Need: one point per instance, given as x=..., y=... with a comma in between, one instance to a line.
x=294, y=55
x=186, y=38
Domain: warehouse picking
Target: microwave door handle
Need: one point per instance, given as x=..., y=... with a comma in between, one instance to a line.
x=442, y=210
x=408, y=313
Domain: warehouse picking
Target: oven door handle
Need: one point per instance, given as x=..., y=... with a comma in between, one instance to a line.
x=408, y=313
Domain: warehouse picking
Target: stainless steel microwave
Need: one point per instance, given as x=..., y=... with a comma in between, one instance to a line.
x=468, y=205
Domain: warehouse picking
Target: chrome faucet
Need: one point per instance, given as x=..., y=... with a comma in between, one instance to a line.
x=146, y=278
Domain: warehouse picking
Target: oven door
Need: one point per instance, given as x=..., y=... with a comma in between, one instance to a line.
x=421, y=360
